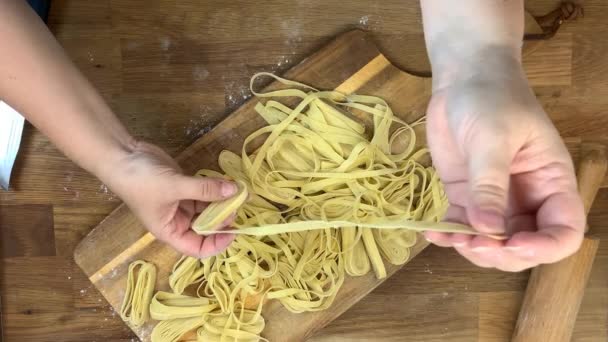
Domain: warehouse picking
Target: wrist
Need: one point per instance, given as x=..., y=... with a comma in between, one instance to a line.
x=460, y=63
x=111, y=162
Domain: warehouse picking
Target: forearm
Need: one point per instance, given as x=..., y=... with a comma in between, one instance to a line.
x=40, y=81
x=471, y=36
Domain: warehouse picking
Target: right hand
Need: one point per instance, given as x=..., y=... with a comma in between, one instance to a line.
x=506, y=171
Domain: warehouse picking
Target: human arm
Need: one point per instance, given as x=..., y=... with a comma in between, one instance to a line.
x=504, y=164
x=38, y=79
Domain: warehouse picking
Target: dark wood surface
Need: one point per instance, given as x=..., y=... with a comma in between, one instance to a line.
x=171, y=71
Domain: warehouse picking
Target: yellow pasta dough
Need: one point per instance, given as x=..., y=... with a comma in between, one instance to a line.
x=140, y=287
x=338, y=187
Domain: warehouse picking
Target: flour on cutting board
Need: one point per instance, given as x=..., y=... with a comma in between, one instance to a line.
x=201, y=125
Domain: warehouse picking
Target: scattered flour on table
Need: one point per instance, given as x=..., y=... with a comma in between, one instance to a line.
x=364, y=20
x=427, y=269
x=200, y=73
x=369, y=22
x=68, y=179
x=292, y=30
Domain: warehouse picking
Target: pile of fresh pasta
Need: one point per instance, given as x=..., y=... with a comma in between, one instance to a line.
x=337, y=187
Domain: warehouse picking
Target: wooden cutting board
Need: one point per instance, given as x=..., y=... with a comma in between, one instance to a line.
x=350, y=63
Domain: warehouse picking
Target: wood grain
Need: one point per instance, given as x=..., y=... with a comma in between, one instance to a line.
x=26, y=230
x=553, y=297
x=234, y=41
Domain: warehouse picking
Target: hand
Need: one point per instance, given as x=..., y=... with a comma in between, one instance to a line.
x=151, y=183
x=505, y=170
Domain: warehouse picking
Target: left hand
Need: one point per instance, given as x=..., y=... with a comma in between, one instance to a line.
x=151, y=183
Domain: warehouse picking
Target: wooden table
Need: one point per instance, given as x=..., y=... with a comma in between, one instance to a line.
x=172, y=70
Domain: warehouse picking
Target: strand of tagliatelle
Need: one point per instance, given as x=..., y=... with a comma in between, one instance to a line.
x=320, y=199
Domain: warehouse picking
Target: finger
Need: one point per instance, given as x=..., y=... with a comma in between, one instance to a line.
x=481, y=243
x=495, y=258
x=439, y=239
x=200, y=206
x=461, y=240
x=520, y=223
x=457, y=214
x=215, y=244
x=545, y=247
x=488, y=182
x=482, y=251
x=204, y=189
x=477, y=259
x=457, y=192
x=198, y=246
x=489, y=253
x=560, y=230
x=188, y=207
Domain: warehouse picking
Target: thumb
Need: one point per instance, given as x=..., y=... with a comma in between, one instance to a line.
x=489, y=164
x=205, y=189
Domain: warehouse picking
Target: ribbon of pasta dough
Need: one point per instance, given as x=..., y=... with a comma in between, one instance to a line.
x=380, y=223
x=138, y=294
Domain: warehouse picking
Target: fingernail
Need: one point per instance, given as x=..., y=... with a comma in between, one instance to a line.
x=491, y=222
x=228, y=189
x=427, y=239
x=480, y=249
x=459, y=244
x=513, y=248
